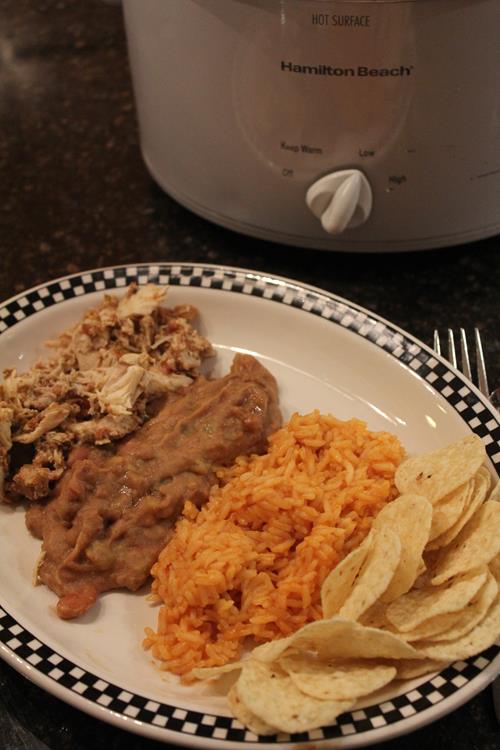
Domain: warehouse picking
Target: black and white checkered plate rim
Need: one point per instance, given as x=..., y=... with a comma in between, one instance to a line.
x=84, y=689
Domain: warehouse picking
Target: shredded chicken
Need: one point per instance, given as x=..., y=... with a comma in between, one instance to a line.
x=101, y=383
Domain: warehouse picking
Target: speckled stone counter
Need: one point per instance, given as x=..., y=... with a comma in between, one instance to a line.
x=75, y=195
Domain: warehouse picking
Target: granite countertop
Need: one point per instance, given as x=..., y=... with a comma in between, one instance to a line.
x=75, y=195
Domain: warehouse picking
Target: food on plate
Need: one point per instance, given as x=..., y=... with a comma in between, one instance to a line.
x=252, y=561
x=280, y=704
x=426, y=602
x=434, y=604
x=475, y=493
x=339, y=680
x=102, y=381
x=436, y=474
x=313, y=565
x=114, y=509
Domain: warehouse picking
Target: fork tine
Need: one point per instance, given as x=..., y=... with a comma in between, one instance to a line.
x=481, y=366
x=465, y=360
x=464, y=351
x=437, y=342
x=452, y=356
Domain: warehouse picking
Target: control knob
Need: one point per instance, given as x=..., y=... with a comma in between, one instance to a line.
x=340, y=200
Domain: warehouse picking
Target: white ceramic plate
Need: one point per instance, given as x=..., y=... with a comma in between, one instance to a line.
x=326, y=353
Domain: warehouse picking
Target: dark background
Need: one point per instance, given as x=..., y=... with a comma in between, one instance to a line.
x=74, y=195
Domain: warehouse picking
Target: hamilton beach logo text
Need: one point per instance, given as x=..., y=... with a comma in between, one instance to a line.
x=361, y=71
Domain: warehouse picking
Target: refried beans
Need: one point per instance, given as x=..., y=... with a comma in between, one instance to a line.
x=115, y=508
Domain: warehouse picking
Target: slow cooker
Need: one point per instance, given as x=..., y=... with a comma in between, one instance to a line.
x=361, y=125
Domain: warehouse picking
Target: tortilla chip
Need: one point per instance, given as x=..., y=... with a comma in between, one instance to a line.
x=477, y=544
x=419, y=605
x=449, y=509
x=494, y=566
x=473, y=614
x=495, y=493
x=271, y=651
x=473, y=503
x=270, y=694
x=409, y=670
x=376, y=617
x=207, y=673
x=486, y=476
x=338, y=585
x=336, y=680
x=375, y=574
x=449, y=627
x=410, y=516
x=338, y=638
x=436, y=474
x=247, y=718
x=478, y=639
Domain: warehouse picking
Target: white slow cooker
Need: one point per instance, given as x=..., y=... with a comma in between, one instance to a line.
x=360, y=125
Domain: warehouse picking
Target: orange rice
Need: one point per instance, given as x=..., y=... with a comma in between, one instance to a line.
x=251, y=562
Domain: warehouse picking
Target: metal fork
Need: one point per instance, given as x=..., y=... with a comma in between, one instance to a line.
x=493, y=396
x=465, y=362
